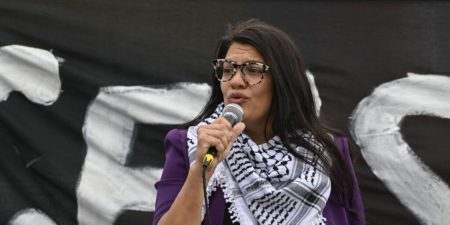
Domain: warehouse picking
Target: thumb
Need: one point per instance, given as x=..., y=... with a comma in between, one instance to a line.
x=237, y=129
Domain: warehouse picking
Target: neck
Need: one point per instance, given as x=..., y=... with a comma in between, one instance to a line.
x=256, y=133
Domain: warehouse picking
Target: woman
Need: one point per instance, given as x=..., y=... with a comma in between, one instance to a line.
x=280, y=165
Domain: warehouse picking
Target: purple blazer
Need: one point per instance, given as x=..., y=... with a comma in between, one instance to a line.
x=176, y=169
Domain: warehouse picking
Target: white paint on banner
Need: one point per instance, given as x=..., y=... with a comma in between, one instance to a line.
x=315, y=91
x=375, y=126
x=31, y=216
x=107, y=187
x=32, y=71
x=35, y=73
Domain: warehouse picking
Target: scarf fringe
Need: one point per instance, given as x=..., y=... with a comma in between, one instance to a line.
x=237, y=206
x=320, y=220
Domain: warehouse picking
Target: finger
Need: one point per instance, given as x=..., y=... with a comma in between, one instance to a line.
x=207, y=139
x=214, y=136
x=237, y=130
x=219, y=130
x=225, y=122
x=215, y=127
x=226, y=152
x=223, y=125
x=224, y=135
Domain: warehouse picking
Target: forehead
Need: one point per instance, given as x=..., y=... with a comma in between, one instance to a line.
x=243, y=52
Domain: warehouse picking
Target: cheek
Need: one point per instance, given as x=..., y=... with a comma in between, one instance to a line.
x=223, y=88
x=267, y=102
x=263, y=101
x=267, y=99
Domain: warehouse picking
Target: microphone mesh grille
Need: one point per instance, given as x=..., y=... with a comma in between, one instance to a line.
x=233, y=113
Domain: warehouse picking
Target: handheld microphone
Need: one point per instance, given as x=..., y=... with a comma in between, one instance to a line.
x=234, y=114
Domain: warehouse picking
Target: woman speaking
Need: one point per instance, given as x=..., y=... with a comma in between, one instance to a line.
x=280, y=165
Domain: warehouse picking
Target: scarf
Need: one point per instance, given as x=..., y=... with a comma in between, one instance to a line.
x=266, y=184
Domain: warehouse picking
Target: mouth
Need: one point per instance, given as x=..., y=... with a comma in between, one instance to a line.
x=237, y=98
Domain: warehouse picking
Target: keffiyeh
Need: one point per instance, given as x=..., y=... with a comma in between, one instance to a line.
x=265, y=184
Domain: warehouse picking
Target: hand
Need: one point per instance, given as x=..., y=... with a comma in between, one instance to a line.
x=220, y=135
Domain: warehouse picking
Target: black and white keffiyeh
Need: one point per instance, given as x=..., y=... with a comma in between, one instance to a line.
x=265, y=184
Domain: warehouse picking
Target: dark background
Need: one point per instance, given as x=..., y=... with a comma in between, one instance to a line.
x=350, y=47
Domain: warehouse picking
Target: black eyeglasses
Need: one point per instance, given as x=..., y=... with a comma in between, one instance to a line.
x=252, y=72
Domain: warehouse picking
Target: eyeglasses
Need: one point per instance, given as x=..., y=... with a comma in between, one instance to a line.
x=252, y=72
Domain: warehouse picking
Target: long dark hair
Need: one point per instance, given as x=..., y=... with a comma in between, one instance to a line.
x=293, y=106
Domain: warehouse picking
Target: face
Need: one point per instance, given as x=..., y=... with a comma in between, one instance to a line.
x=255, y=100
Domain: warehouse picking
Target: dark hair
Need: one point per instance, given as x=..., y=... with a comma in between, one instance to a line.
x=293, y=105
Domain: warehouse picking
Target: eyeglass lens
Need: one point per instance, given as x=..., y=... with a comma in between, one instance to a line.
x=252, y=72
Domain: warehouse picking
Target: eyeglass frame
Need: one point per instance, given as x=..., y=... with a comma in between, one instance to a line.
x=241, y=68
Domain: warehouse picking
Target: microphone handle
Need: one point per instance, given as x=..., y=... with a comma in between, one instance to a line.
x=209, y=156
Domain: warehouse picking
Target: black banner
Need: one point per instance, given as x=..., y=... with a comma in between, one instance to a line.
x=88, y=90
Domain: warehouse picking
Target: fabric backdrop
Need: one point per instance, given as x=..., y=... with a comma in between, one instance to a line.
x=88, y=90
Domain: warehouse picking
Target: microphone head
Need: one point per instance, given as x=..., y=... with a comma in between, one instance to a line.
x=233, y=113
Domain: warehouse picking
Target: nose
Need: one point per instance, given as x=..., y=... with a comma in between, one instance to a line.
x=238, y=80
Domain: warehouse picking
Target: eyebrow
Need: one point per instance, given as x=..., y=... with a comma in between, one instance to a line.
x=246, y=61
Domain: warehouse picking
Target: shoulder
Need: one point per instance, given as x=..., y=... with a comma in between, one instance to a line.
x=175, y=134
x=176, y=154
x=176, y=137
x=342, y=144
x=334, y=211
x=175, y=144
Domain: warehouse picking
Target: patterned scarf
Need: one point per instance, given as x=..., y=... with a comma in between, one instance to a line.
x=265, y=184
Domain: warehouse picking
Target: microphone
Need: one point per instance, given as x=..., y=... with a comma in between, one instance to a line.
x=234, y=114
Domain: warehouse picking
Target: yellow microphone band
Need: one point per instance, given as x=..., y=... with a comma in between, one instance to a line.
x=208, y=158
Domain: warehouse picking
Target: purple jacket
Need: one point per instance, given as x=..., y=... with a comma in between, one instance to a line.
x=176, y=169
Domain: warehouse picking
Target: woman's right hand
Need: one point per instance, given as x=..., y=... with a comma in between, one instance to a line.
x=220, y=135
x=187, y=206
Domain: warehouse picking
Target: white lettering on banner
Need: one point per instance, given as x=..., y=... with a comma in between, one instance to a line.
x=31, y=216
x=375, y=126
x=314, y=91
x=35, y=73
x=32, y=71
x=107, y=187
